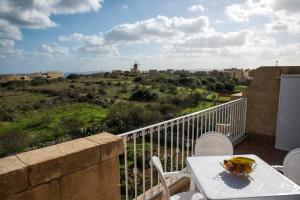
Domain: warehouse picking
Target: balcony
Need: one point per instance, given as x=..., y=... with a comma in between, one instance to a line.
x=174, y=140
x=255, y=114
x=88, y=168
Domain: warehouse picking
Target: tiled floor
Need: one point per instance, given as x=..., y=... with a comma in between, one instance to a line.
x=263, y=147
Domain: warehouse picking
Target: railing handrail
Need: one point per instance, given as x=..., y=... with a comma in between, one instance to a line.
x=178, y=118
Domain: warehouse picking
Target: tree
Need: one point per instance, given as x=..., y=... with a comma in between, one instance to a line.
x=72, y=76
x=72, y=125
x=211, y=86
x=123, y=117
x=229, y=85
x=138, y=79
x=143, y=95
x=195, y=98
x=6, y=114
x=220, y=87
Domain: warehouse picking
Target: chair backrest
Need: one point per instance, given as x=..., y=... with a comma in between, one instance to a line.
x=156, y=162
x=291, y=165
x=213, y=144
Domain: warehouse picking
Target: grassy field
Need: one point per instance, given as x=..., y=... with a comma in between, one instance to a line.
x=199, y=107
x=45, y=124
x=50, y=110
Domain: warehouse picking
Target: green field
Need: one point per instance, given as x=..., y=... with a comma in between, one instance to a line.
x=43, y=111
x=46, y=124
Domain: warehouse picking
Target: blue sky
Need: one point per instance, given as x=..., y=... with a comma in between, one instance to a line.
x=93, y=35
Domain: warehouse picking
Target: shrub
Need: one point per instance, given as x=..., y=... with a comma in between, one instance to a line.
x=123, y=89
x=72, y=76
x=229, y=85
x=6, y=114
x=102, y=91
x=220, y=87
x=13, y=141
x=24, y=107
x=91, y=95
x=138, y=79
x=72, y=125
x=211, y=86
x=195, y=98
x=162, y=88
x=167, y=110
x=12, y=85
x=173, y=89
x=41, y=122
x=39, y=81
x=143, y=95
x=123, y=117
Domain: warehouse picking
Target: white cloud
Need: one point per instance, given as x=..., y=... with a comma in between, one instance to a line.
x=292, y=6
x=196, y=8
x=124, y=7
x=219, y=21
x=157, y=29
x=98, y=49
x=79, y=37
x=36, y=14
x=209, y=42
x=283, y=15
x=54, y=50
x=17, y=14
x=90, y=44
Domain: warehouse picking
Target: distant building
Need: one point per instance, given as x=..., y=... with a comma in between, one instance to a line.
x=54, y=75
x=47, y=75
x=117, y=71
x=5, y=78
x=239, y=74
x=36, y=75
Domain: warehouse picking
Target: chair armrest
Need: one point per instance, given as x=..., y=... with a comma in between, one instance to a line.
x=177, y=174
x=278, y=167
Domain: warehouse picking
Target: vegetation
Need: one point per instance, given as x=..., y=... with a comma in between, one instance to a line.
x=42, y=112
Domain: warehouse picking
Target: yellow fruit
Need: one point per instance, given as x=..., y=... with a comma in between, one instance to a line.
x=241, y=161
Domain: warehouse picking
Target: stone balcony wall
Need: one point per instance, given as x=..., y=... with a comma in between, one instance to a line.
x=263, y=97
x=85, y=168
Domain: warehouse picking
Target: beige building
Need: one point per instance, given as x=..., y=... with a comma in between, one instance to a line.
x=37, y=75
x=5, y=78
x=54, y=75
x=48, y=75
x=239, y=74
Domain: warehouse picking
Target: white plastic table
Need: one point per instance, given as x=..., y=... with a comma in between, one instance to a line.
x=214, y=182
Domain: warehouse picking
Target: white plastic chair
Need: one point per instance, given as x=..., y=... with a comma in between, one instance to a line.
x=213, y=144
x=166, y=193
x=291, y=166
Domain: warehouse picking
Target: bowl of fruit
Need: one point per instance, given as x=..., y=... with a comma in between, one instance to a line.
x=239, y=165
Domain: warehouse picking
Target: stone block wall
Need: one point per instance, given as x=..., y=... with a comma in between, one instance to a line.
x=85, y=169
x=263, y=97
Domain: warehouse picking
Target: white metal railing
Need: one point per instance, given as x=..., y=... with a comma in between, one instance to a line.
x=172, y=141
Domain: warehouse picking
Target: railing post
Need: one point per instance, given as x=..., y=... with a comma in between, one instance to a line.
x=245, y=100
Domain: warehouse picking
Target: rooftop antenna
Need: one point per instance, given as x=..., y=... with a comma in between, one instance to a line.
x=277, y=63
